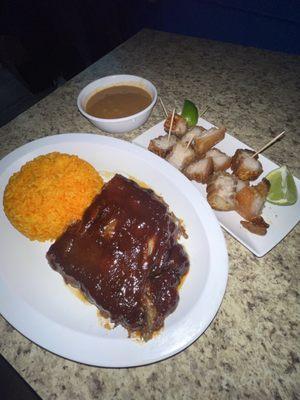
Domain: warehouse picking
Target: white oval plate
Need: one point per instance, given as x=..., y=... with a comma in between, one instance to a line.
x=35, y=300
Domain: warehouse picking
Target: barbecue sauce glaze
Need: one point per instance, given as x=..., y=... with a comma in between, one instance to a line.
x=124, y=256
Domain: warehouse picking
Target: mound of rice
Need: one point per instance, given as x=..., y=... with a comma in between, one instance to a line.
x=49, y=193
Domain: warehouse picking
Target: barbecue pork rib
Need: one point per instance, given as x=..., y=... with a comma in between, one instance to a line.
x=124, y=256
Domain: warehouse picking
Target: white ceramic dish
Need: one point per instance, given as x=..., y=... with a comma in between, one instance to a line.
x=282, y=219
x=117, y=125
x=35, y=300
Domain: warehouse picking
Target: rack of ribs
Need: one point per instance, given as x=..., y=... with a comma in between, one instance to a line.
x=124, y=256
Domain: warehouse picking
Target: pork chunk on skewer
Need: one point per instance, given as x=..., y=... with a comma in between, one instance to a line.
x=162, y=145
x=180, y=156
x=209, y=139
x=200, y=170
x=251, y=199
x=221, y=160
x=257, y=225
x=196, y=132
x=179, y=126
x=221, y=190
x=244, y=166
x=241, y=184
x=239, y=155
x=226, y=192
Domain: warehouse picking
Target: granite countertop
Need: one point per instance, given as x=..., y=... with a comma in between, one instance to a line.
x=251, y=349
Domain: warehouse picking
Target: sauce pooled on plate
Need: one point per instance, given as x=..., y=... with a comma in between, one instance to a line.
x=118, y=101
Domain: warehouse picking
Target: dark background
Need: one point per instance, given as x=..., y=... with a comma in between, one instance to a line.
x=42, y=40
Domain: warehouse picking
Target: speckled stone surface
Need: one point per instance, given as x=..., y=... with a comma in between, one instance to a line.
x=252, y=348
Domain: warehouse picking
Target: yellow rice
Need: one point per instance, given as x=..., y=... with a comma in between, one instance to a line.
x=49, y=193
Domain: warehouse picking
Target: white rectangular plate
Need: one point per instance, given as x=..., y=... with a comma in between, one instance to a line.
x=282, y=219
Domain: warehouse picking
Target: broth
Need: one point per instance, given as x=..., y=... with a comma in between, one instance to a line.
x=118, y=101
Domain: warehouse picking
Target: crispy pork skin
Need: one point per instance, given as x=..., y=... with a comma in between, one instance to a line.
x=179, y=125
x=221, y=190
x=221, y=160
x=257, y=225
x=162, y=145
x=208, y=140
x=244, y=166
x=124, y=256
x=251, y=200
x=180, y=156
x=200, y=170
x=190, y=136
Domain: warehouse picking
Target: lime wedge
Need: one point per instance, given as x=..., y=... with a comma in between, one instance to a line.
x=283, y=190
x=190, y=113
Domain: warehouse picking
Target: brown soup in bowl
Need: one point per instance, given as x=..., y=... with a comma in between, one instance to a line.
x=118, y=101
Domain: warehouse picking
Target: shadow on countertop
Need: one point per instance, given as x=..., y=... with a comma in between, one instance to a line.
x=13, y=387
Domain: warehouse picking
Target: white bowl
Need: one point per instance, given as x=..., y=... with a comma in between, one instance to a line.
x=117, y=125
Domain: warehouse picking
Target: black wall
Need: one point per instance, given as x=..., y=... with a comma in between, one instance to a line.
x=41, y=40
x=267, y=24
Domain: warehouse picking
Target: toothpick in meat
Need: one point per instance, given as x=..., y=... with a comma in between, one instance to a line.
x=190, y=141
x=163, y=106
x=171, y=124
x=203, y=112
x=179, y=157
x=161, y=146
x=268, y=144
x=192, y=136
x=196, y=131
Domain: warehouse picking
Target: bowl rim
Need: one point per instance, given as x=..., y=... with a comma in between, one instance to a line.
x=81, y=97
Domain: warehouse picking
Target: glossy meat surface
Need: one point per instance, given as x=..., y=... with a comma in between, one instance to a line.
x=124, y=256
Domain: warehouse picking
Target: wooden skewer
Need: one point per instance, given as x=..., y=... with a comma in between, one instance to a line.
x=171, y=124
x=189, y=142
x=268, y=144
x=203, y=112
x=191, y=139
x=163, y=106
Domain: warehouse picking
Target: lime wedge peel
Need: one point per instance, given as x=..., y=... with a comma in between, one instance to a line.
x=190, y=113
x=283, y=190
